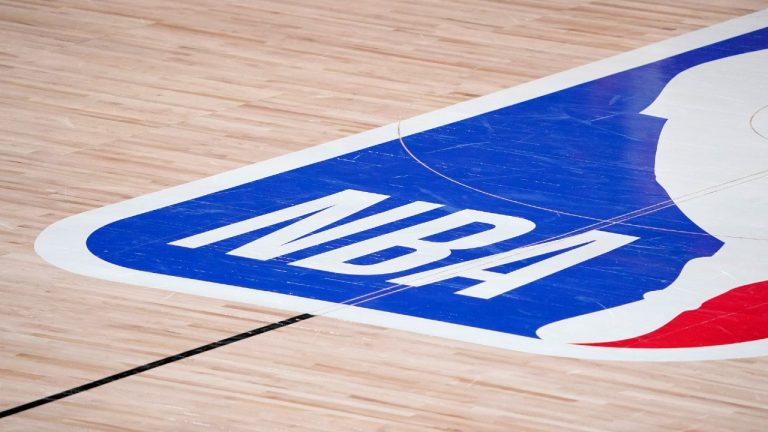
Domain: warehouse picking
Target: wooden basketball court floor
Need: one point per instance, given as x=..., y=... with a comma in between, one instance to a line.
x=106, y=101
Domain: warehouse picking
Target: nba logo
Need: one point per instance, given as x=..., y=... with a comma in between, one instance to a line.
x=616, y=211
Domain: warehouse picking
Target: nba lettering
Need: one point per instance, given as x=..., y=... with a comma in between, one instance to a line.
x=596, y=214
x=421, y=252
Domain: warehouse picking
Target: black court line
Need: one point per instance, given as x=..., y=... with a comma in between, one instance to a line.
x=155, y=364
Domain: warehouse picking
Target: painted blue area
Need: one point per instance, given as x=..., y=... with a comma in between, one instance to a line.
x=585, y=150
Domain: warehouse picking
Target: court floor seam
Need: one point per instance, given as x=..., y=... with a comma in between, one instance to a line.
x=155, y=364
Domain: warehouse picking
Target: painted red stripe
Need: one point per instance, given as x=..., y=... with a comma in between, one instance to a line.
x=740, y=315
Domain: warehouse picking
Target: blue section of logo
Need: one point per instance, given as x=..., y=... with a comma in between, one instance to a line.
x=584, y=151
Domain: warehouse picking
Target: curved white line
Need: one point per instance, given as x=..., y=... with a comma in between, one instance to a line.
x=617, y=220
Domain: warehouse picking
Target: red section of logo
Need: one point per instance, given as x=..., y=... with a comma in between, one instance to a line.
x=740, y=315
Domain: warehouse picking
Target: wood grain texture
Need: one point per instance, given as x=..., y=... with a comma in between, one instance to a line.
x=104, y=101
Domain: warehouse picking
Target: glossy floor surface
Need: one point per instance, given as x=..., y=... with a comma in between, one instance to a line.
x=463, y=269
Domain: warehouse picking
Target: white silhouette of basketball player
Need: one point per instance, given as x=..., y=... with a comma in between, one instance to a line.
x=713, y=162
